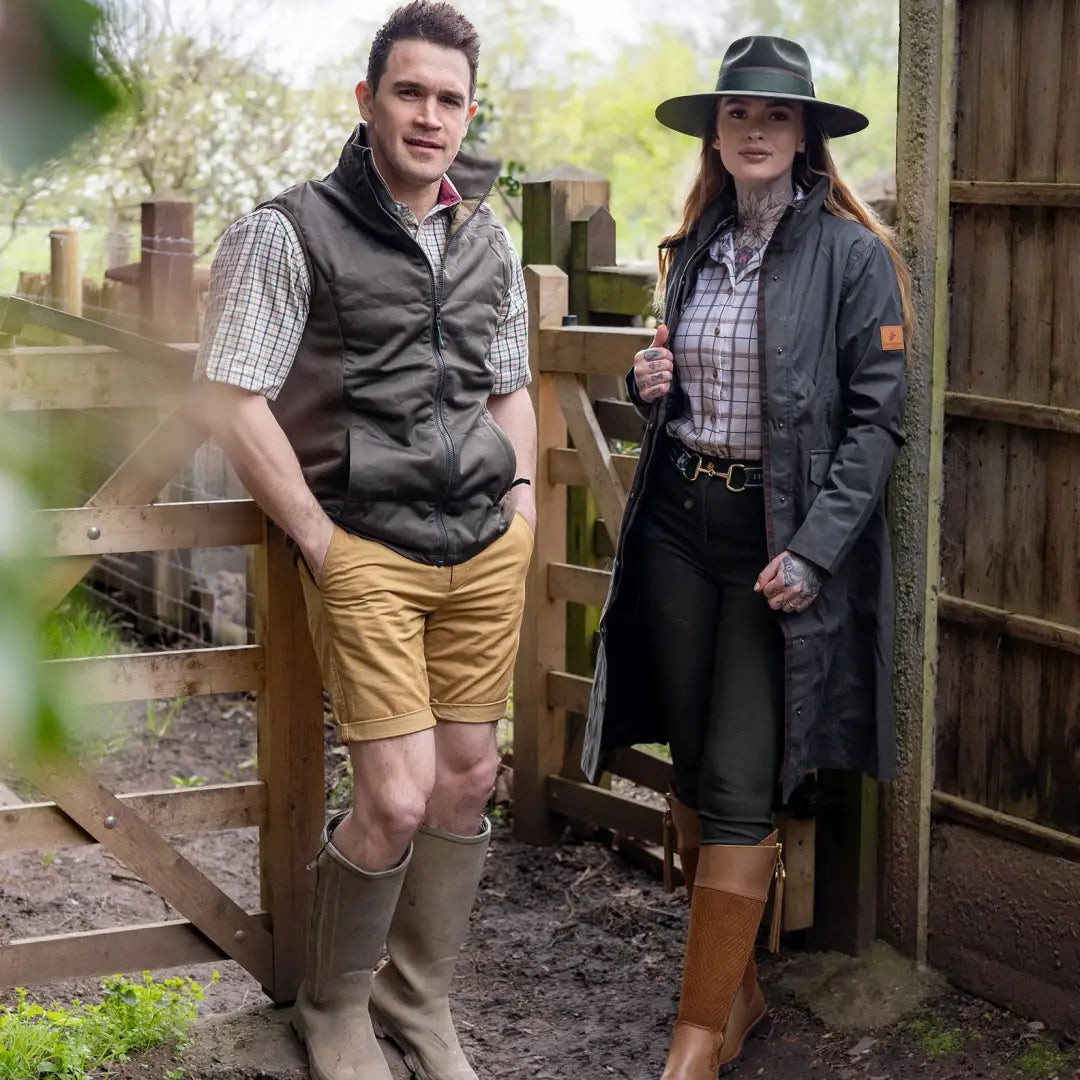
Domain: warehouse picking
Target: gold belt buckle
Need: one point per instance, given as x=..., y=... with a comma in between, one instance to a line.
x=728, y=477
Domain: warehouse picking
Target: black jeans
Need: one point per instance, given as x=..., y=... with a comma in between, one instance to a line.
x=714, y=649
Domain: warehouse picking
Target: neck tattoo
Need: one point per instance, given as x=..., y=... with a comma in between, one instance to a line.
x=761, y=206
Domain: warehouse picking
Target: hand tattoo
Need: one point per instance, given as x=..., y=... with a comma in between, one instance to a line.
x=651, y=354
x=801, y=575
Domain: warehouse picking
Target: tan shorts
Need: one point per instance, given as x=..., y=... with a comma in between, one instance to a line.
x=402, y=644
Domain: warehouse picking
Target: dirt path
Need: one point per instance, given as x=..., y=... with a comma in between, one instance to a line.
x=571, y=970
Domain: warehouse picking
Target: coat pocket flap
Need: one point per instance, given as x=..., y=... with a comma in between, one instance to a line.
x=820, y=460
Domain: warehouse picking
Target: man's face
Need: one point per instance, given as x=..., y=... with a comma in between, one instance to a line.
x=419, y=115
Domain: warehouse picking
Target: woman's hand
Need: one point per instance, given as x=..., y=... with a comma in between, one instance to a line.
x=653, y=368
x=789, y=583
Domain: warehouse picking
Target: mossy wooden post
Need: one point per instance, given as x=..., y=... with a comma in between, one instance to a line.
x=539, y=730
x=167, y=313
x=290, y=752
x=565, y=223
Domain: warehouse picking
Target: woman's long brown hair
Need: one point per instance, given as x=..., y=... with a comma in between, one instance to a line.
x=808, y=169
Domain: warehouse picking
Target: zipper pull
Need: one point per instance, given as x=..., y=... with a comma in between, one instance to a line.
x=438, y=331
x=778, y=901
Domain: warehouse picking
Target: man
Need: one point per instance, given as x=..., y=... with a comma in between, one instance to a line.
x=365, y=368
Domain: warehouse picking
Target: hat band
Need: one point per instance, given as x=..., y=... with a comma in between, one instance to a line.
x=772, y=81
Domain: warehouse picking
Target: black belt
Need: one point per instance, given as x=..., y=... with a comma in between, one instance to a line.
x=737, y=475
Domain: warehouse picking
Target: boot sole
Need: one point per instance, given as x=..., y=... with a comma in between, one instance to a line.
x=761, y=1029
x=384, y=1029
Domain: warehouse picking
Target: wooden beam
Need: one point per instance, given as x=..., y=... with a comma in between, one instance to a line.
x=569, y=692
x=604, y=481
x=565, y=467
x=798, y=835
x=45, y=827
x=591, y=350
x=540, y=729
x=1018, y=413
x=578, y=584
x=963, y=812
x=619, y=420
x=620, y=290
x=138, y=480
x=291, y=764
x=602, y=808
x=1002, y=193
x=159, y=527
x=1025, y=627
x=90, y=953
x=145, y=852
x=147, y=676
x=645, y=768
x=82, y=377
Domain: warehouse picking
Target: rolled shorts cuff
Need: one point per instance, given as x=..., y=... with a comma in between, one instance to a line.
x=487, y=713
x=387, y=727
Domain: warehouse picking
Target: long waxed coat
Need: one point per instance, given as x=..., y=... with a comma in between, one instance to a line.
x=832, y=392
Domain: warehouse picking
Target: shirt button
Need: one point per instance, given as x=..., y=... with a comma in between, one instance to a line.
x=715, y=373
x=716, y=332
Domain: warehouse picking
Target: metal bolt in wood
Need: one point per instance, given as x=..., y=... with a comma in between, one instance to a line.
x=93, y=533
x=110, y=822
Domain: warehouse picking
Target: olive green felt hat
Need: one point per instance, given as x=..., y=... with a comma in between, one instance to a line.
x=766, y=67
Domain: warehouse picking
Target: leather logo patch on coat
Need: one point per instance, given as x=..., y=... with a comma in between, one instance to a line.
x=892, y=338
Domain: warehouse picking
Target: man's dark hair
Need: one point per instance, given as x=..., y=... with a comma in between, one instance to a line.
x=425, y=20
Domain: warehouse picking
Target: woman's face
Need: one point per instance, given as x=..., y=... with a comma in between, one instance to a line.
x=758, y=138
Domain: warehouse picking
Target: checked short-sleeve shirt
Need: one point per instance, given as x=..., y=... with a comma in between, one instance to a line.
x=260, y=293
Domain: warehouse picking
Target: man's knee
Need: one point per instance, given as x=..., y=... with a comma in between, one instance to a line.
x=470, y=778
x=395, y=810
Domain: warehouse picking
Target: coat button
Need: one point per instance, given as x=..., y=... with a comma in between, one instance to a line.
x=783, y=498
x=780, y=352
x=776, y=277
x=802, y=641
x=780, y=424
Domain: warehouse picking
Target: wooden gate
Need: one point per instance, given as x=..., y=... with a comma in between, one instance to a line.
x=1003, y=903
x=286, y=802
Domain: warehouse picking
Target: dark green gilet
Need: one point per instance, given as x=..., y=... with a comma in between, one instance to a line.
x=386, y=401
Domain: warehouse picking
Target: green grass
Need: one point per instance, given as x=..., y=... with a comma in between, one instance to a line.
x=71, y=1042
x=1041, y=1059
x=936, y=1040
x=79, y=628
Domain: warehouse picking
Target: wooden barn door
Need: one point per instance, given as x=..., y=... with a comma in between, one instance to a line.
x=1005, y=879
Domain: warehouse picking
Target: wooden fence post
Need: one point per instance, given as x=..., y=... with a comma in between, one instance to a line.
x=565, y=223
x=167, y=313
x=65, y=273
x=290, y=733
x=539, y=730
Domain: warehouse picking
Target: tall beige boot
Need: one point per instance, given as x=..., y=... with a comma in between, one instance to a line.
x=717, y=1007
x=349, y=922
x=410, y=994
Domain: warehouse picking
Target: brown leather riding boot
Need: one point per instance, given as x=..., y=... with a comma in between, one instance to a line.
x=349, y=922
x=410, y=994
x=720, y=1001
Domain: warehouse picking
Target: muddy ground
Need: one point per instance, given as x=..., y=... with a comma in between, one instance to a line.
x=571, y=970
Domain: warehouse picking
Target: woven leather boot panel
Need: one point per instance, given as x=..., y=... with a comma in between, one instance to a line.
x=723, y=927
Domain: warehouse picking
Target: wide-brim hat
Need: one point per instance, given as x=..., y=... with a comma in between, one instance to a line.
x=765, y=67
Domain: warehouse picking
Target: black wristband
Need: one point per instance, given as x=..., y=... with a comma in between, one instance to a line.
x=519, y=480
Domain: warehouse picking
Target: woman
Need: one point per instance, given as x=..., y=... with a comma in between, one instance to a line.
x=749, y=623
